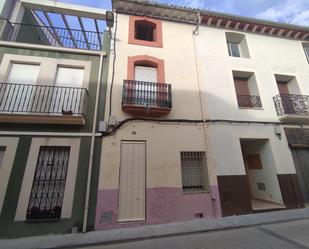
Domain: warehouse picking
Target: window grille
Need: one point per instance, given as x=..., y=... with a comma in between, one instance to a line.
x=49, y=183
x=194, y=171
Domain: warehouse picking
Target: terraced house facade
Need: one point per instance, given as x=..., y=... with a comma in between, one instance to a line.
x=207, y=115
x=53, y=69
x=191, y=114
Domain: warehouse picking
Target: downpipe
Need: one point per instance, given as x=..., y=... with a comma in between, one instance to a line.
x=93, y=135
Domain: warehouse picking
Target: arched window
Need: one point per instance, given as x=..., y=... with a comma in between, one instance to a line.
x=146, y=68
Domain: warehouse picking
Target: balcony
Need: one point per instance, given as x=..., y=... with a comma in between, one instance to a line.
x=52, y=36
x=146, y=98
x=292, y=107
x=42, y=104
x=249, y=101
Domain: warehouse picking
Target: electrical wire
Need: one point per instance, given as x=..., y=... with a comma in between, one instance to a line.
x=194, y=121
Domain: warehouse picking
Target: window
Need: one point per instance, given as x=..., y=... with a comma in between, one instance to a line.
x=2, y=151
x=307, y=52
x=145, y=30
x=193, y=170
x=237, y=45
x=23, y=73
x=146, y=73
x=306, y=49
x=234, y=49
x=246, y=89
x=290, y=98
x=17, y=97
x=70, y=97
x=70, y=77
x=49, y=183
x=254, y=161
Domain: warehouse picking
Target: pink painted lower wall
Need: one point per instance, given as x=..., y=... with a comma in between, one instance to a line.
x=163, y=205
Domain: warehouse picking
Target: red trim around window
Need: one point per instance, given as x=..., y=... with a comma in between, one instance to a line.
x=157, y=35
x=145, y=60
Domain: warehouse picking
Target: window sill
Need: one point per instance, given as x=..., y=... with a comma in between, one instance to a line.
x=239, y=57
x=43, y=220
x=251, y=108
x=156, y=44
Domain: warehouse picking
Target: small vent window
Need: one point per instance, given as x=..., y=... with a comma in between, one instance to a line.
x=145, y=31
x=193, y=169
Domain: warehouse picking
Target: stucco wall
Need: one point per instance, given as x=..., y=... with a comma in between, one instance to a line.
x=178, y=56
x=227, y=156
x=269, y=56
x=165, y=200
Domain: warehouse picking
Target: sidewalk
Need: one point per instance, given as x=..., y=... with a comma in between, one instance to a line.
x=152, y=231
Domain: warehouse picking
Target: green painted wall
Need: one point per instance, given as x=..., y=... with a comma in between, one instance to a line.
x=98, y=141
x=95, y=61
x=9, y=228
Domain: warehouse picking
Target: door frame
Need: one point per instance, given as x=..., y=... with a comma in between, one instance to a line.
x=118, y=199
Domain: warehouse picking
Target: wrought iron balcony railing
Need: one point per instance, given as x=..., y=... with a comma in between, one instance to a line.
x=147, y=94
x=249, y=101
x=42, y=99
x=291, y=104
x=52, y=36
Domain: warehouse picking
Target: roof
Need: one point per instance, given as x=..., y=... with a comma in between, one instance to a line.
x=210, y=18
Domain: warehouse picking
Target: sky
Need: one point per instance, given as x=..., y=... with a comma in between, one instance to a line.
x=289, y=11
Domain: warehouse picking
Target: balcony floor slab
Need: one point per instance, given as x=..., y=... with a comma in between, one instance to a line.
x=42, y=119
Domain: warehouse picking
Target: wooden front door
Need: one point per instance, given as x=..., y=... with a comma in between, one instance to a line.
x=132, y=181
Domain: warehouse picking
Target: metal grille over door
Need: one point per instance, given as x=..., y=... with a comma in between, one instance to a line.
x=49, y=183
x=132, y=181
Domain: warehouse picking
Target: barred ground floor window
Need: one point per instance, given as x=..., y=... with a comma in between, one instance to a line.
x=194, y=171
x=49, y=181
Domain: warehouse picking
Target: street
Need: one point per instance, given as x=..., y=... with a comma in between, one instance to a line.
x=288, y=235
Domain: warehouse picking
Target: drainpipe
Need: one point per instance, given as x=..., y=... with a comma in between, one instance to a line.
x=210, y=164
x=93, y=134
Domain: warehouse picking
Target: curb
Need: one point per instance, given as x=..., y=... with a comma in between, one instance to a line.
x=152, y=231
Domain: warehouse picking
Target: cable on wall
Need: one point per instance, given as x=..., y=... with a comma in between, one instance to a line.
x=195, y=121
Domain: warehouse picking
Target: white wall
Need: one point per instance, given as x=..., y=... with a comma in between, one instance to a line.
x=269, y=56
x=180, y=71
x=226, y=150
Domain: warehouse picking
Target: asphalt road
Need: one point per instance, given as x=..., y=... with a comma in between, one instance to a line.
x=289, y=235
